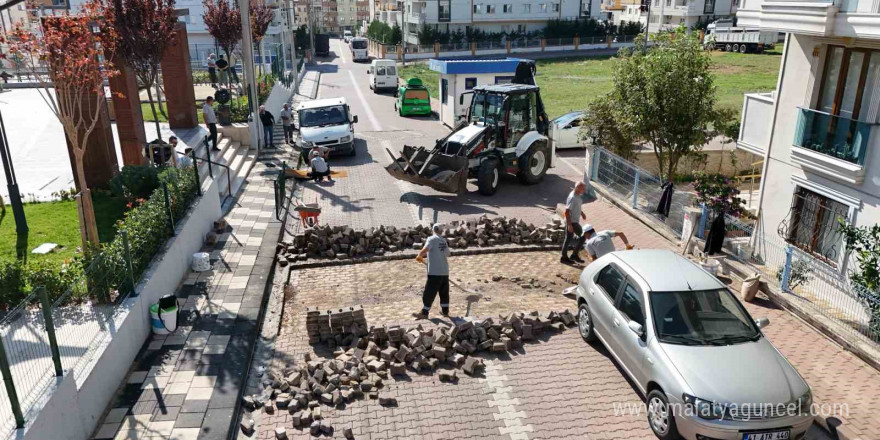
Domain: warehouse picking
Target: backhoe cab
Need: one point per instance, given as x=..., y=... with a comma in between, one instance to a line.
x=505, y=132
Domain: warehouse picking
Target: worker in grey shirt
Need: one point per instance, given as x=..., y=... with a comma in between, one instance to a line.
x=573, y=216
x=602, y=242
x=437, y=251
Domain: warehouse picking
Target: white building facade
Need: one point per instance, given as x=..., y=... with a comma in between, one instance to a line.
x=818, y=131
x=669, y=14
x=486, y=15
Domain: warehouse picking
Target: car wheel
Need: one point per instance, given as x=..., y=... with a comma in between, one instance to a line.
x=736, y=47
x=660, y=416
x=585, y=323
x=533, y=164
x=743, y=48
x=353, y=150
x=488, y=176
x=728, y=47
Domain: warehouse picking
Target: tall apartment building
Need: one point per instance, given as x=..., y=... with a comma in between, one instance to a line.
x=669, y=14
x=485, y=15
x=818, y=132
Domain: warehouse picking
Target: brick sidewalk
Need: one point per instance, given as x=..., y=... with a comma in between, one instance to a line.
x=186, y=385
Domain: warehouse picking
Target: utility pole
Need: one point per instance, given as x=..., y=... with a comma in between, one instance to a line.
x=647, y=22
x=21, y=227
x=311, y=30
x=247, y=48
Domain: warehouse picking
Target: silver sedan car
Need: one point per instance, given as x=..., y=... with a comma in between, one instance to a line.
x=705, y=369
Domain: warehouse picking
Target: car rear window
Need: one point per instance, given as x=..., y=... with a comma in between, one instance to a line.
x=610, y=279
x=416, y=94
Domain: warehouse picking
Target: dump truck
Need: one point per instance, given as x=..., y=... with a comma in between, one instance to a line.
x=504, y=132
x=739, y=39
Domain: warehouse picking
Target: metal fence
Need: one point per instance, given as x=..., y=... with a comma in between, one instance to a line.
x=819, y=286
x=43, y=338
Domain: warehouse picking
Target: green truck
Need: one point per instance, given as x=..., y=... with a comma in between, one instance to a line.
x=413, y=99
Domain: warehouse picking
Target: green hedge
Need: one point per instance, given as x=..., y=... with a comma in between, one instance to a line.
x=148, y=229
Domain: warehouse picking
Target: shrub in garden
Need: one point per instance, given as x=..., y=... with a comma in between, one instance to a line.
x=12, y=283
x=719, y=193
x=864, y=243
x=135, y=181
x=147, y=227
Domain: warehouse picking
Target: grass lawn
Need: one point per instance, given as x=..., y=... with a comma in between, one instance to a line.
x=148, y=113
x=58, y=222
x=571, y=83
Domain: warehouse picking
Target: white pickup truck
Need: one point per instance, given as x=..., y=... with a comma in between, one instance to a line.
x=326, y=123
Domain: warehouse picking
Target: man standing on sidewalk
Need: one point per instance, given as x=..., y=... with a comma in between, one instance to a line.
x=210, y=121
x=268, y=125
x=287, y=124
x=437, y=251
x=573, y=216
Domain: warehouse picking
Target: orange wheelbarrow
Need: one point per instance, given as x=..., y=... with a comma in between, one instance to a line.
x=308, y=213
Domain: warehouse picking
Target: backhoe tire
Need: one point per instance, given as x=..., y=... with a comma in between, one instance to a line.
x=488, y=177
x=533, y=164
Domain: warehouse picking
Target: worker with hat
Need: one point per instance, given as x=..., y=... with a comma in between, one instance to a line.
x=437, y=250
x=601, y=243
x=573, y=231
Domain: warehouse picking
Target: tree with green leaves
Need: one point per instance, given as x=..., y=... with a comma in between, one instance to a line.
x=603, y=126
x=864, y=243
x=665, y=95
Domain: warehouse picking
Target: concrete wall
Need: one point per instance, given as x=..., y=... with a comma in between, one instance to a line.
x=714, y=158
x=71, y=412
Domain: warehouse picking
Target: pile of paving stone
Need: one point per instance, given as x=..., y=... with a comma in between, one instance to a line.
x=359, y=369
x=339, y=326
x=341, y=242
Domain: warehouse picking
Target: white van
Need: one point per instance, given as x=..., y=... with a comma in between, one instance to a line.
x=346, y=35
x=359, y=49
x=326, y=123
x=383, y=75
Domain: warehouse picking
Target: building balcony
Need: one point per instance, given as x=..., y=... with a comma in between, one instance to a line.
x=833, y=146
x=756, y=122
x=829, y=18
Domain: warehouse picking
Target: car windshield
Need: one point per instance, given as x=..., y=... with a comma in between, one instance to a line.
x=358, y=44
x=487, y=108
x=706, y=317
x=319, y=117
x=416, y=94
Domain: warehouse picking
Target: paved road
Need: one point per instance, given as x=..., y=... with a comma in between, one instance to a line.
x=370, y=197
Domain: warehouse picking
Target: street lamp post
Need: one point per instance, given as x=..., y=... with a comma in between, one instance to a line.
x=21, y=227
x=247, y=43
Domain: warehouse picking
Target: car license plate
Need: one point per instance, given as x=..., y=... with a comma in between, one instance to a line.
x=772, y=435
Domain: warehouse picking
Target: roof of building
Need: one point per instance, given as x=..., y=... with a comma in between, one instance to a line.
x=507, y=88
x=667, y=271
x=452, y=66
x=318, y=103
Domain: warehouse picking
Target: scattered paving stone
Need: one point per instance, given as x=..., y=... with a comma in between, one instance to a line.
x=247, y=426
x=280, y=433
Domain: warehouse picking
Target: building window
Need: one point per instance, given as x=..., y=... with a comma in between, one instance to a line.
x=709, y=7
x=444, y=13
x=508, y=8
x=490, y=9
x=470, y=83
x=478, y=8
x=812, y=224
x=527, y=8
x=503, y=79
x=555, y=7
x=543, y=7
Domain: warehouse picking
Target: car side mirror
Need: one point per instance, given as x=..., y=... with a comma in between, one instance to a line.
x=354, y=119
x=762, y=322
x=637, y=328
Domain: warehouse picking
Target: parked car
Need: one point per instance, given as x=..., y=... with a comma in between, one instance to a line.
x=383, y=75
x=359, y=49
x=692, y=349
x=564, y=131
x=346, y=35
x=326, y=123
x=413, y=99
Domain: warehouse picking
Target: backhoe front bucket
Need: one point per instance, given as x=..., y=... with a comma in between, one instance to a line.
x=440, y=171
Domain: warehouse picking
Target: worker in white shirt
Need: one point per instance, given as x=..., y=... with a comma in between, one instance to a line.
x=602, y=242
x=210, y=121
x=319, y=169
